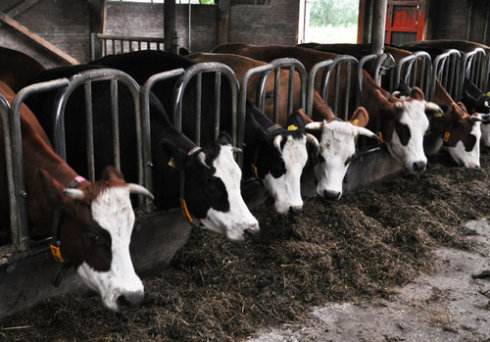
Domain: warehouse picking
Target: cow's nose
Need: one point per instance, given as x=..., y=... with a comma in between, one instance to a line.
x=252, y=230
x=133, y=298
x=296, y=209
x=332, y=195
x=419, y=166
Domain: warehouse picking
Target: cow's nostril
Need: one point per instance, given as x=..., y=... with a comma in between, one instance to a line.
x=332, y=195
x=419, y=166
x=134, y=298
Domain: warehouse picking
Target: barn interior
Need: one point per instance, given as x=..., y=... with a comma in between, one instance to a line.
x=414, y=243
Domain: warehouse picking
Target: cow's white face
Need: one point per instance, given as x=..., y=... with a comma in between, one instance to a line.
x=113, y=212
x=238, y=219
x=337, y=148
x=407, y=143
x=286, y=188
x=471, y=158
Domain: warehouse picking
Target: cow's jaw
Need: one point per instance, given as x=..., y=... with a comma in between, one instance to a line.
x=237, y=219
x=411, y=154
x=337, y=147
x=469, y=159
x=286, y=189
x=112, y=210
x=485, y=134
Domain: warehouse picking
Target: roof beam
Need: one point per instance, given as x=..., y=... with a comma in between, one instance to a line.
x=37, y=39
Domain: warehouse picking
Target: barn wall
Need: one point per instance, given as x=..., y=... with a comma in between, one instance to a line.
x=273, y=23
x=125, y=18
x=459, y=19
x=63, y=23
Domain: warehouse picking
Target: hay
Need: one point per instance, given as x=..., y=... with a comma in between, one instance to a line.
x=216, y=290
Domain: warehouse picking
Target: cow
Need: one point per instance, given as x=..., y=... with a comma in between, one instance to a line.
x=402, y=121
x=17, y=68
x=452, y=128
x=211, y=196
x=92, y=222
x=282, y=183
x=335, y=159
x=475, y=99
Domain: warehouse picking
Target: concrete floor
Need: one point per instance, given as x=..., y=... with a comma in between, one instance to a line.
x=448, y=305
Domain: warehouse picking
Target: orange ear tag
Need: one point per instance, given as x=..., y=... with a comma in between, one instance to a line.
x=380, y=137
x=447, y=136
x=255, y=171
x=185, y=210
x=56, y=252
x=355, y=122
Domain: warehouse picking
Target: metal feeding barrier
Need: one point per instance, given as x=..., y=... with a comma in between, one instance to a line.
x=447, y=69
x=331, y=71
x=11, y=123
x=415, y=70
x=109, y=44
x=86, y=80
x=263, y=73
x=476, y=67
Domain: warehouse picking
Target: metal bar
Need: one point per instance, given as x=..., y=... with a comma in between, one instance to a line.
x=115, y=124
x=325, y=65
x=300, y=68
x=291, y=89
x=277, y=85
x=348, y=91
x=198, y=108
x=90, y=130
x=217, y=101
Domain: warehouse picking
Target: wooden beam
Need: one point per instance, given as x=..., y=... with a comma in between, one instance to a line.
x=37, y=39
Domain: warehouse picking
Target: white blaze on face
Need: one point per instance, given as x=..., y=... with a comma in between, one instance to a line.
x=469, y=159
x=286, y=189
x=112, y=210
x=414, y=117
x=238, y=218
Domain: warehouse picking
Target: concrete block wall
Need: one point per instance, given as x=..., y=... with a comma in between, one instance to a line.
x=275, y=22
x=65, y=23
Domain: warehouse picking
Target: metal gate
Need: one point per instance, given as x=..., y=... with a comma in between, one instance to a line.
x=476, y=67
x=447, y=69
x=328, y=67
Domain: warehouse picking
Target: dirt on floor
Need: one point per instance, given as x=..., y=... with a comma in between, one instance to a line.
x=356, y=249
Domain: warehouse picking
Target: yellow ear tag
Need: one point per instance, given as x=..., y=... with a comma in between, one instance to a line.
x=487, y=94
x=56, y=252
x=292, y=128
x=380, y=137
x=255, y=171
x=447, y=136
x=185, y=210
x=171, y=163
x=355, y=122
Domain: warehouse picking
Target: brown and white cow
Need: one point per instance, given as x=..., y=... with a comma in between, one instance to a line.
x=95, y=220
x=335, y=158
x=402, y=121
x=452, y=127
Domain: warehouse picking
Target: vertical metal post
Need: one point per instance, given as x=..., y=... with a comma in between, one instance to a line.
x=170, y=25
x=379, y=25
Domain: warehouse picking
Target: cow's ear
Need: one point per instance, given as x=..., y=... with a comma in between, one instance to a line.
x=176, y=157
x=417, y=94
x=360, y=117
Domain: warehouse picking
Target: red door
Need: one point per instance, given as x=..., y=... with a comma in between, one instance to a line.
x=405, y=21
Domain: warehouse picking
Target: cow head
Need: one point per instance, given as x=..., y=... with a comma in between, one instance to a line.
x=460, y=133
x=278, y=157
x=94, y=224
x=337, y=148
x=478, y=101
x=212, y=186
x=403, y=125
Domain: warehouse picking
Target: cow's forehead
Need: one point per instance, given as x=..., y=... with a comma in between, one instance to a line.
x=112, y=210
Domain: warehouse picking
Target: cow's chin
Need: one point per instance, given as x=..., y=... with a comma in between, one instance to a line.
x=330, y=181
x=470, y=160
x=234, y=228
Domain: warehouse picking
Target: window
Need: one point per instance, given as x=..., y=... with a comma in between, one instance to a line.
x=194, y=2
